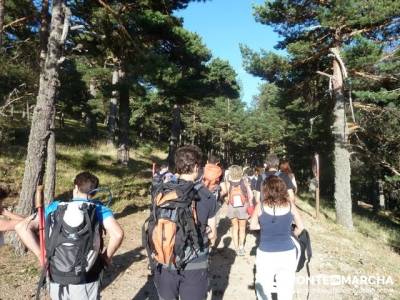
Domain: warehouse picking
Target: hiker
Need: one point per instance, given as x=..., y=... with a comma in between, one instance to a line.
x=239, y=205
x=284, y=167
x=74, y=239
x=8, y=220
x=164, y=174
x=178, y=231
x=272, y=168
x=251, y=176
x=212, y=174
x=276, y=253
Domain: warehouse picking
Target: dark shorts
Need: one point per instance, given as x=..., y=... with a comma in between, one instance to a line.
x=187, y=285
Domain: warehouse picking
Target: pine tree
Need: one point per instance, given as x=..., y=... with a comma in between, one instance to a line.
x=314, y=33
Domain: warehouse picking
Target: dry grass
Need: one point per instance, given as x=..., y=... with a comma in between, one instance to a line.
x=366, y=250
x=128, y=184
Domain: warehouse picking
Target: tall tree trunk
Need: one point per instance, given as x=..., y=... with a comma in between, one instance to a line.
x=175, y=133
x=124, y=116
x=44, y=31
x=342, y=195
x=1, y=22
x=90, y=118
x=113, y=107
x=42, y=116
x=50, y=181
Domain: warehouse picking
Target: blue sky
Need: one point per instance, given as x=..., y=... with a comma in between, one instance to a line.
x=223, y=25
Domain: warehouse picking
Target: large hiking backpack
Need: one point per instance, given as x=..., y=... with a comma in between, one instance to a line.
x=172, y=233
x=237, y=194
x=73, y=243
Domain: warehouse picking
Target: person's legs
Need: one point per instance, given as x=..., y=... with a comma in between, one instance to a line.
x=242, y=233
x=86, y=291
x=235, y=232
x=167, y=283
x=265, y=272
x=194, y=285
x=286, y=275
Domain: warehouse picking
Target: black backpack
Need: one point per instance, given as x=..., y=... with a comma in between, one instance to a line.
x=73, y=253
x=172, y=233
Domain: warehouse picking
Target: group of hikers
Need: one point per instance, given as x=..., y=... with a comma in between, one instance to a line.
x=180, y=232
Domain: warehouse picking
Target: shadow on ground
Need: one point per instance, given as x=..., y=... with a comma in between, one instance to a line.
x=221, y=262
x=147, y=292
x=120, y=264
x=130, y=209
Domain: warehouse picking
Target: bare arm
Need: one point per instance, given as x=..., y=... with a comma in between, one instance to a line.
x=11, y=215
x=257, y=196
x=8, y=225
x=224, y=189
x=250, y=194
x=298, y=221
x=291, y=197
x=254, y=224
x=26, y=229
x=212, y=230
x=116, y=236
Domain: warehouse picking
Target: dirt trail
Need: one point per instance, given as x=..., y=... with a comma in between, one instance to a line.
x=231, y=276
x=336, y=251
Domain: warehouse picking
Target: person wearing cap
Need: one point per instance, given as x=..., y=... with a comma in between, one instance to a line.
x=85, y=184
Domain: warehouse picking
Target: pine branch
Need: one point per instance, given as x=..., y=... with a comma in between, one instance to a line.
x=373, y=76
x=15, y=22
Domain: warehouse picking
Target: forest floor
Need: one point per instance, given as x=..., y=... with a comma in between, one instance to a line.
x=358, y=264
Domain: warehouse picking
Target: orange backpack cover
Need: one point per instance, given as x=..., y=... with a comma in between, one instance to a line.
x=211, y=176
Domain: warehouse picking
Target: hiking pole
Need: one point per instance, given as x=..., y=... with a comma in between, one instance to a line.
x=39, y=205
x=154, y=168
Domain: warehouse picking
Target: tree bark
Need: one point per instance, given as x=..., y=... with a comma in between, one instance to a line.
x=1, y=22
x=44, y=31
x=175, y=133
x=343, y=203
x=42, y=115
x=124, y=116
x=90, y=118
x=113, y=108
x=50, y=181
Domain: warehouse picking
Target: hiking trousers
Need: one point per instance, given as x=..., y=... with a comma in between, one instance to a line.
x=186, y=285
x=86, y=291
x=280, y=266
